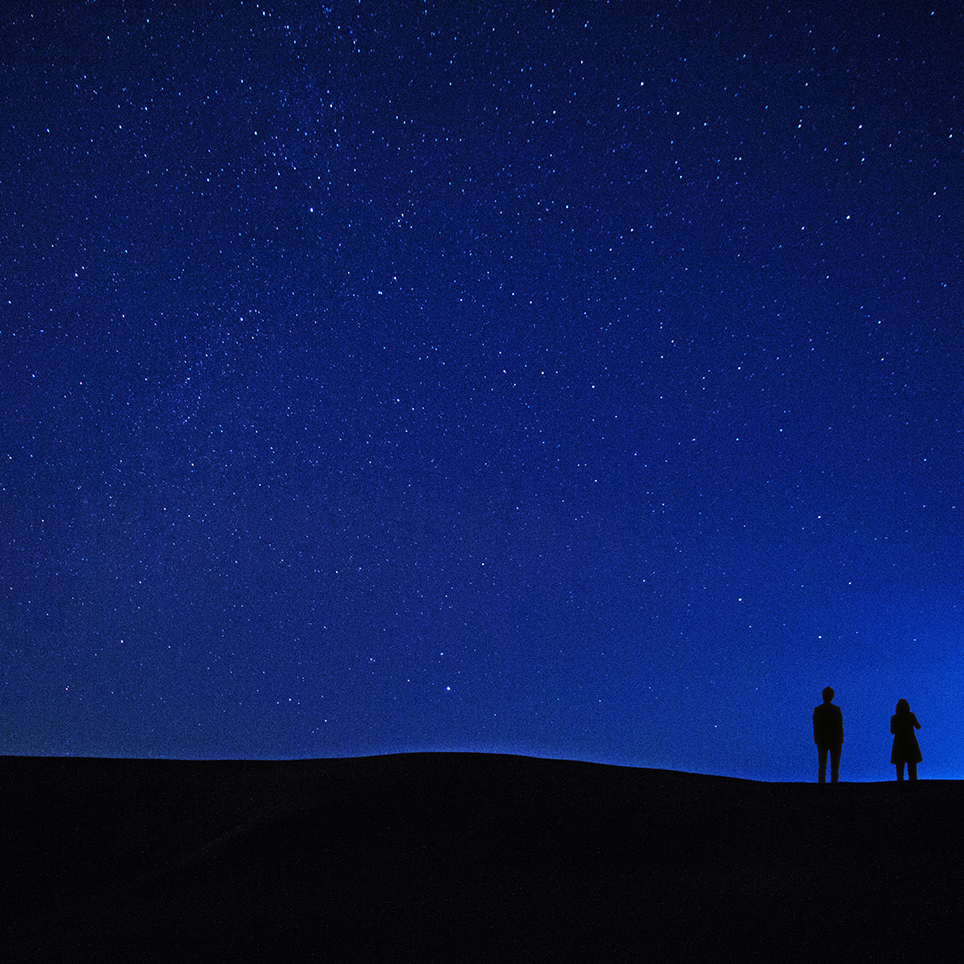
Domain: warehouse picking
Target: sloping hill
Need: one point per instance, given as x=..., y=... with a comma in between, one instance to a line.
x=470, y=857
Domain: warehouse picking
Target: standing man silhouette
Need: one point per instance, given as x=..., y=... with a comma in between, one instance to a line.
x=828, y=735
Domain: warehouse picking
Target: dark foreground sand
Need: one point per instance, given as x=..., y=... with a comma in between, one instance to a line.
x=470, y=857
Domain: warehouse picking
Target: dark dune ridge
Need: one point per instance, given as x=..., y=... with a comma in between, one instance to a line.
x=470, y=857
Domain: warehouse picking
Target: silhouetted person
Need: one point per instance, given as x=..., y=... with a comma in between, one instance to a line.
x=828, y=735
x=905, y=748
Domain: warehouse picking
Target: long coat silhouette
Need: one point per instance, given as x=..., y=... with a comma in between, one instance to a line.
x=902, y=724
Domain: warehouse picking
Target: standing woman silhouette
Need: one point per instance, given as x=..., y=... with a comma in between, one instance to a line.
x=905, y=748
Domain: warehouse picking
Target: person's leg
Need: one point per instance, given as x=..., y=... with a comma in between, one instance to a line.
x=912, y=770
x=900, y=772
x=835, y=763
x=822, y=771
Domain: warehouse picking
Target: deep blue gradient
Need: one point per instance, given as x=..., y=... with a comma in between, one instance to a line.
x=578, y=381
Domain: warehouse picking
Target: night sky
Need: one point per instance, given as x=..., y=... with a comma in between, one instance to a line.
x=578, y=381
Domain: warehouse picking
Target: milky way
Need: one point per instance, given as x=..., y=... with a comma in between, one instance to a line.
x=578, y=381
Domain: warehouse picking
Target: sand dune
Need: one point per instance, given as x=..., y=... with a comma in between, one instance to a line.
x=470, y=857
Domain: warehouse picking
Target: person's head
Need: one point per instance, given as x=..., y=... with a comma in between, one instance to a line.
x=903, y=706
x=827, y=694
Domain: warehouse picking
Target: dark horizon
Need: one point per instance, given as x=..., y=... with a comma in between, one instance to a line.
x=470, y=859
x=281, y=761
x=577, y=382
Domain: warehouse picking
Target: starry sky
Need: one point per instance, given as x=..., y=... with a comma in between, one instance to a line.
x=581, y=381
